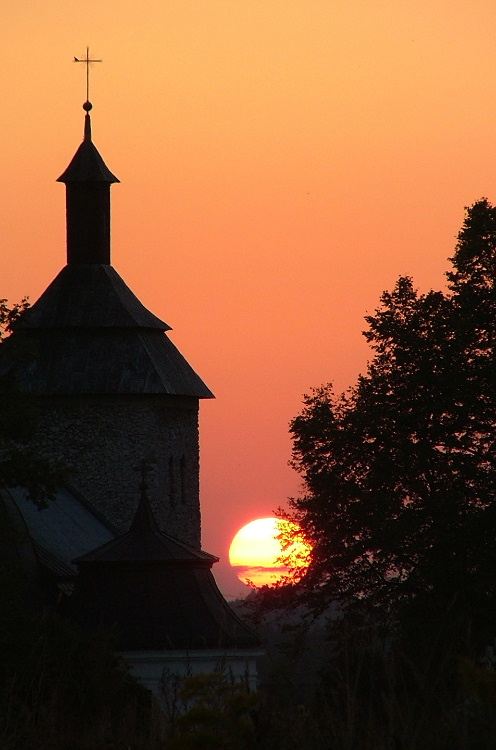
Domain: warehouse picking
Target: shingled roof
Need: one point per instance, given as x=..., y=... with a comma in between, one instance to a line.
x=44, y=543
x=89, y=296
x=154, y=592
x=144, y=542
x=87, y=165
x=62, y=359
x=88, y=333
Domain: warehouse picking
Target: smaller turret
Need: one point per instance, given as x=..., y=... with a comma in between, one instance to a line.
x=155, y=592
x=88, y=180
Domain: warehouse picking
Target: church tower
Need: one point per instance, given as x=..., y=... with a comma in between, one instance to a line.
x=111, y=388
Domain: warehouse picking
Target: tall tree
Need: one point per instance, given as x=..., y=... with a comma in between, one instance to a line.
x=400, y=472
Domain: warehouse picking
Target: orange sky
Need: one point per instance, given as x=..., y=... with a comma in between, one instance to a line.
x=281, y=163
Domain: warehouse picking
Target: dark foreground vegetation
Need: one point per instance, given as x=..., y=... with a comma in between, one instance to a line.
x=387, y=642
x=344, y=685
x=60, y=690
x=400, y=471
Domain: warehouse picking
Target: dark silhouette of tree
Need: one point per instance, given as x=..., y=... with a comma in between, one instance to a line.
x=9, y=315
x=400, y=472
x=19, y=464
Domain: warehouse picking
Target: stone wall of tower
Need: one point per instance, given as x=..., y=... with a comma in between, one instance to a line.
x=103, y=439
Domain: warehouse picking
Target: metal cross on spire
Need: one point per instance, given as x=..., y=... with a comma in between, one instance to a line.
x=87, y=60
x=143, y=468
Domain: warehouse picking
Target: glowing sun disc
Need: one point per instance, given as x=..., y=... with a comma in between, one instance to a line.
x=255, y=550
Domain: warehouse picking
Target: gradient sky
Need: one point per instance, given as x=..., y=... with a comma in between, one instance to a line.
x=282, y=162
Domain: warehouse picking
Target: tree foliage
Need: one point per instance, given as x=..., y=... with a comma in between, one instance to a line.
x=9, y=315
x=400, y=471
x=19, y=464
x=217, y=713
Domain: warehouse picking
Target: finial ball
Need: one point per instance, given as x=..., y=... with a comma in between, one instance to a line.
x=87, y=106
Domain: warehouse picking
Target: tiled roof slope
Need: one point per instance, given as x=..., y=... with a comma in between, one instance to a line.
x=62, y=530
x=89, y=296
x=87, y=165
x=155, y=592
x=89, y=334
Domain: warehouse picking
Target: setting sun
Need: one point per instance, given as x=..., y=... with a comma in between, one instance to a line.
x=256, y=551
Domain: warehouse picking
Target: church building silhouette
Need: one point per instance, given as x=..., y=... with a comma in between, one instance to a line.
x=113, y=395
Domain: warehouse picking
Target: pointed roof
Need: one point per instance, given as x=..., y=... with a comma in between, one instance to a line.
x=87, y=165
x=89, y=296
x=154, y=592
x=145, y=543
x=144, y=520
x=88, y=333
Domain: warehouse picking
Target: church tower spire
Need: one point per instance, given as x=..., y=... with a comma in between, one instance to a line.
x=87, y=180
x=111, y=385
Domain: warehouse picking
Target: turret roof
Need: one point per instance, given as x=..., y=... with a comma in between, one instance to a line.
x=145, y=543
x=155, y=592
x=89, y=296
x=88, y=333
x=87, y=165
